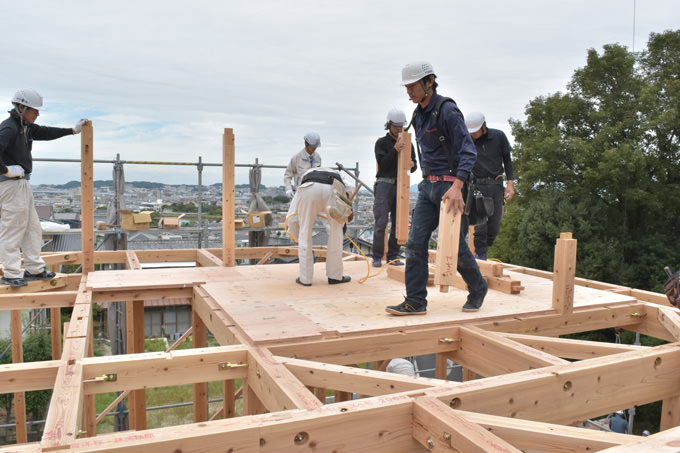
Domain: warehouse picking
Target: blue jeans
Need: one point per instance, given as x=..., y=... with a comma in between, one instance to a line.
x=424, y=221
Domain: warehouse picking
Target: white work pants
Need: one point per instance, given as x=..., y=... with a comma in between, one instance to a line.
x=19, y=229
x=309, y=200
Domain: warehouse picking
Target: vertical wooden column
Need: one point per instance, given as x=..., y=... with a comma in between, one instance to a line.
x=200, y=340
x=670, y=413
x=18, y=357
x=87, y=196
x=134, y=325
x=229, y=399
x=446, y=262
x=564, y=274
x=403, y=189
x=440, y=366
x=469, y=375
x=55, y=325
x=228, y=198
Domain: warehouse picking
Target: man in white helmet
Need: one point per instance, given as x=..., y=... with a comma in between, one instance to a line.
x=618, y=422
x=447, y=156
x=493, y=159
x=301, y=162
x=19, y=223
x=385, y=188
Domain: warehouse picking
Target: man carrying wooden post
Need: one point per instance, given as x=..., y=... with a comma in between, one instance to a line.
x=447, y=156
x=385, y=189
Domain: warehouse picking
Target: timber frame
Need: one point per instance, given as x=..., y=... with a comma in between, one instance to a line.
x=524, y=388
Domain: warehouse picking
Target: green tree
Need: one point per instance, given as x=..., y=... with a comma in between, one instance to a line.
x=603, y=161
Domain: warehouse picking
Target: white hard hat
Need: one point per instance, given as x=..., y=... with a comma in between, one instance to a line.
x=645, y=433
x=619, y=413
x=413, y=72
x=29, y=98
x=396, y=117
x=474, y=121
x=313, y=139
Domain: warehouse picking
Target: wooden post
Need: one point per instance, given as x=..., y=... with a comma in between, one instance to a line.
x=228, y=399
x=200, y=340
x=447, y=248
x=440, y=366
x=228, y=198
x=403, y=189
x=670, y=413
x=55, y=325
x=86, y=196
x=18, y=357
x=134, y=325
x=564, y=274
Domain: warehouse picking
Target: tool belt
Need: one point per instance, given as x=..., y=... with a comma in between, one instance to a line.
x=387, y=180
x=497, y=180
x=323, y=177
x=339, y=206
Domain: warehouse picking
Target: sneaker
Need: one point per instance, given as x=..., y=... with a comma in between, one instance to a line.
x=397, y=263
x=41, y=276
x=15, y=282
x=297, y=280
x=474, y=303
x=406, y=308
x=377, y=262
x=344, y=279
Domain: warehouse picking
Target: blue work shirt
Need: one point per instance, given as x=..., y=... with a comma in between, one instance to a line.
x=433, y=159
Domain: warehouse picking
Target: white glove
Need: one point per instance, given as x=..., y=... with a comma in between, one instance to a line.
x=14, y=171
x=290, y=193
x=79, y=126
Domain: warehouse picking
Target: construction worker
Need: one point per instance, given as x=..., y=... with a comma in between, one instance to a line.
x=447, y=156
x=385, y=188
x=317, y=193
x=301, y=162
x=493, y=159
x=19, y=223
x=618, y=423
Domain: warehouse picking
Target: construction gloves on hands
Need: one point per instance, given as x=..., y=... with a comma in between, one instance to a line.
x=290, y=193
x=79, y=125
x=14, y=171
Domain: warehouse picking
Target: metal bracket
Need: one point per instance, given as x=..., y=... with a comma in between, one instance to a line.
x=111, y=377
x=228, y=365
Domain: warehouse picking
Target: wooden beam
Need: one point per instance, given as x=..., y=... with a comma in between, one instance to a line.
x=163, y=369
x=403, y=189
x=535, y=436
x=670, y=412
x=34, y=301
x=275, y=385
x=570, y=394
x=439, y=428
x=571, y=349
x=665, y=442
x=86, y=196
x=204, y=259
x=447, y=247
x=490, y=354
x=228, y=197
x=670, y=319
x=564, y=274
x=350, y=379
x=29, y=376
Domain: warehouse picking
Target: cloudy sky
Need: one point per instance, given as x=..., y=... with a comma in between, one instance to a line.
x=162, y=79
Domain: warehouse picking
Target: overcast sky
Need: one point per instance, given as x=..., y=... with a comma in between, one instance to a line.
x=162, y=79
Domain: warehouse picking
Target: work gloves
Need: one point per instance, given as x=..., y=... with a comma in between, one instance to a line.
x=79, y=126
x=290, y=193
x=14, y=171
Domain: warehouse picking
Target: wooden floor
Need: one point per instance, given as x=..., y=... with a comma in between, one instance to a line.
x=267, y=304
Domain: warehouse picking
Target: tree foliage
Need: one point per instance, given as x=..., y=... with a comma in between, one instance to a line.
x=602, y=161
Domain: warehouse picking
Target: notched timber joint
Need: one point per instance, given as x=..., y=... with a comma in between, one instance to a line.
x=229, y=365
x=110, y=377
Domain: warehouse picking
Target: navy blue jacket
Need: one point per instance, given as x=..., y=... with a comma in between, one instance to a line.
x=433, y=160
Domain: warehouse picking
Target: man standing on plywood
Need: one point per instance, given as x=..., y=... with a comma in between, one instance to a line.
x=385, y=189
x=447, y=156
x=493, y=159
x=301, y=162
x=321, y=190
x=19, y=223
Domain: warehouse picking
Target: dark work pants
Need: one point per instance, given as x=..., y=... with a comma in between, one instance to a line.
x=485, y=233
x=384, y=206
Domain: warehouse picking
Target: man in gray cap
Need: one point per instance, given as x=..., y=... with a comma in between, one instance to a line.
x=301, y=162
